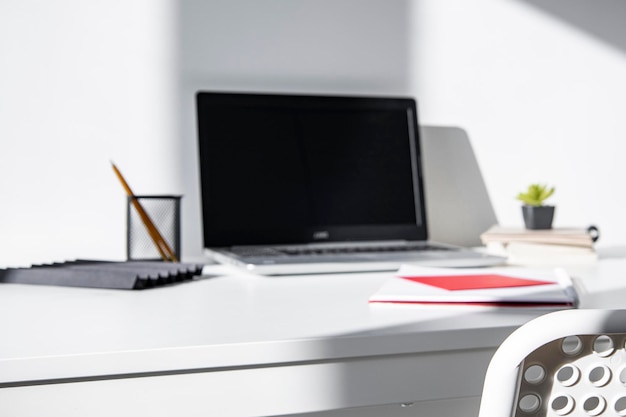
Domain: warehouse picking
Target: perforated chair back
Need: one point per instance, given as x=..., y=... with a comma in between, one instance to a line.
x=567, y=363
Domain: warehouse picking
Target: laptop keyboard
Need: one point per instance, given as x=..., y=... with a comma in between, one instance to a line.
x=360, y=249
x=332, y=250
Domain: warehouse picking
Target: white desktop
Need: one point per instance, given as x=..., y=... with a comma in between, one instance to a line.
x=235, y=344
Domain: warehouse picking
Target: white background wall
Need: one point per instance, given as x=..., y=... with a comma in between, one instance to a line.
x=541, y=92
x=539, y=86
x=81, y=83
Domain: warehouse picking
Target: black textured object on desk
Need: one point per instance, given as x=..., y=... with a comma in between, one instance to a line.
x=131, y=275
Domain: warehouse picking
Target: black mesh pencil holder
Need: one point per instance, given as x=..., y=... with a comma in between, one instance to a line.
x=164, y=212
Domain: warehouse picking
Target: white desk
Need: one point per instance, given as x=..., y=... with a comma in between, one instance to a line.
x=237, y=345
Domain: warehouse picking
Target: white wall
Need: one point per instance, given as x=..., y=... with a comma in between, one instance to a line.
x=81, y=83
x=538, y=85
x=541, y=92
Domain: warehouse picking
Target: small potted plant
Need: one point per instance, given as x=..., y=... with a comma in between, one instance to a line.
x=537, y=215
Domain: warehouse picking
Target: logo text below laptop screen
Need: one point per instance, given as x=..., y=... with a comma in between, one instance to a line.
x=283, y=169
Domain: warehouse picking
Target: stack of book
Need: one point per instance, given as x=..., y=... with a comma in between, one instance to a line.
x=557, y=246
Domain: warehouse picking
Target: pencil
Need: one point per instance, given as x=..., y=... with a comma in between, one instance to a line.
x=164, y=249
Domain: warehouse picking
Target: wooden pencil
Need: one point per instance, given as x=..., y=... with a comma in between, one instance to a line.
x=164, y=249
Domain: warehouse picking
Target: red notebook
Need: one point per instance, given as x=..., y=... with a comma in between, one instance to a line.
x=490, y=286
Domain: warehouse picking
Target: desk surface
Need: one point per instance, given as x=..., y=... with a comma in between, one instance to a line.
x=233, y=320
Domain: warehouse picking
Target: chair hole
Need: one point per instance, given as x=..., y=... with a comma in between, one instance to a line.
x=622, y=376
x=563, y=405
x=571, y=345
x=594, y=405
x=568, y=375
x=603, y=346
x=620, y=406
x=599, y=376
x=529, y=403
x=534, y=374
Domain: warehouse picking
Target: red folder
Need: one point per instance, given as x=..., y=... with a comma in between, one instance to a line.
x=484, y=286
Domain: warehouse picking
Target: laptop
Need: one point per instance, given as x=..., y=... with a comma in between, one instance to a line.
x=302, y=184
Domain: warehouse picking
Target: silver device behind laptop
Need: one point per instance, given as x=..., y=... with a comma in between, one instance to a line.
x=297, y=184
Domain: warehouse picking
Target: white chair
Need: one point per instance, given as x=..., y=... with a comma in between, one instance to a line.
x=566, y=363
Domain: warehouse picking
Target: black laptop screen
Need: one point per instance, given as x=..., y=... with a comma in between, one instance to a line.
x=281, y=169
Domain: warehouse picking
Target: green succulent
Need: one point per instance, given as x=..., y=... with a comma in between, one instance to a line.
x=536, y=194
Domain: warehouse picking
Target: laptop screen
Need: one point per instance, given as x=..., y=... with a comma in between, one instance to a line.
x=285, y=169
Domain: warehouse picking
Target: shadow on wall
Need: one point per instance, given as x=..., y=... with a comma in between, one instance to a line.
x=603, y=19
x=458, y=207
x=307, y=46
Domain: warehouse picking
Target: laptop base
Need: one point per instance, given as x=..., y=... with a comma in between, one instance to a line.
x=464, y=258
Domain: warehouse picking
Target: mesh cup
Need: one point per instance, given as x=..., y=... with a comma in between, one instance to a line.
x=164, y=211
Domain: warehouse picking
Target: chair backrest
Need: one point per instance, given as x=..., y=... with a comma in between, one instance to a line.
x=566, y=363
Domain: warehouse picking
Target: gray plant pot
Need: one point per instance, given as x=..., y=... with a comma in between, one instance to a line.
x=538, y=217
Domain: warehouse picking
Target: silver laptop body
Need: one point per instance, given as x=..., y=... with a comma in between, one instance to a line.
x=300, y=184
